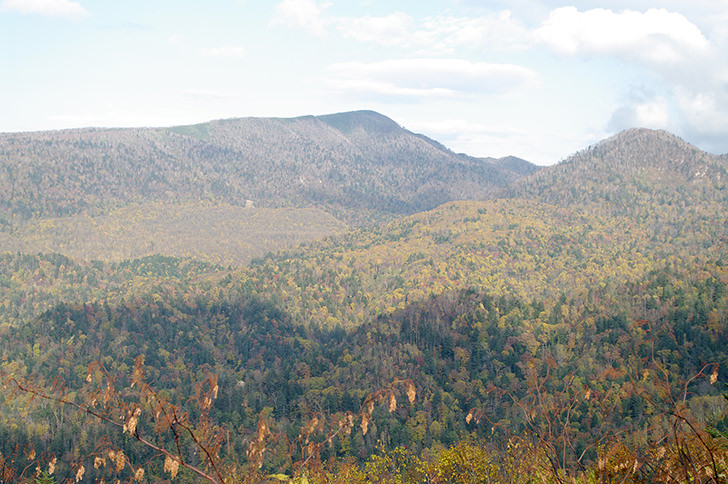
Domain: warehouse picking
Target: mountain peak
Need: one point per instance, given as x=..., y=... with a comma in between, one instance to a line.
x=636, y=167
x=517, y=165
x=371, y=121
x=354, y=163
x=647, y=138
x=642, y=148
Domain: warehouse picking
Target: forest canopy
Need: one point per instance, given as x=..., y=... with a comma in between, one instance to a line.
x=574, y=328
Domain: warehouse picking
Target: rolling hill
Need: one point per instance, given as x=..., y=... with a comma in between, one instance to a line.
x=608, y=214
x=632, y=170
x=585, y=305
x=671, y=188
x=225, y=191
x=351, y=163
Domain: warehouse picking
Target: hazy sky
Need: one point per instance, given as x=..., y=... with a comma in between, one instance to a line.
x=538, y=79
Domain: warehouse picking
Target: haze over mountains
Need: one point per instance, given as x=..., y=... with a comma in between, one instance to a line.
x=183, y=192
x=634, y=164
x=350, y=162
x=119, y=193
x=593, y=279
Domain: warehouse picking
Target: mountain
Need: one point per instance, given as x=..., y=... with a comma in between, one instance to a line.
x=606, y=215
x=623, y=172
x=188, y=191
x=352, y=163
x=388, y=351
x=652, y=177
x=515, y=165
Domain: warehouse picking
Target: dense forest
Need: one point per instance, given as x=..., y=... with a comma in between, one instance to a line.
x=358, y=165
x=571, y=329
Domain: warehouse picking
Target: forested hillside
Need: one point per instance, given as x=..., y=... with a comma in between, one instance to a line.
x=572, y=330
x=348, y=163
x=225, y=191
x=212, y=232
x=639, y=173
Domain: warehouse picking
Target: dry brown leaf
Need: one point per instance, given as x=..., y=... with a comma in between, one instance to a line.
x=80, y=472
x=364, y=423
x=120, y=461
x=171, y=465
x=411, y=392
x=392, y=402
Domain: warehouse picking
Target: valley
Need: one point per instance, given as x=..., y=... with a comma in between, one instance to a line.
x=337, y=299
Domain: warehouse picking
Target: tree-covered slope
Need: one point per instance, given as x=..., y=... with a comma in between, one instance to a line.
x=631, y=172
x=564, y=241
x=505, y=246
x=670, y=188
x=212, y=232
x=224, y=191
x=360, y=161
x=578, y=332
x=475, y=359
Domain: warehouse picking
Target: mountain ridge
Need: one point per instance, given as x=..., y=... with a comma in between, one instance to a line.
x=350, y=162
x=608, y=271
x=634, y=164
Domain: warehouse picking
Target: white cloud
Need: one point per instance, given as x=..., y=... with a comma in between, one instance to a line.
x=439, y=34
x=394, y=29
x=53, y=8
x=301, y=13
x=389, y=89
x=494, y=32
x=211, y=94
x=698, y=114
x=656, y=36
x=705, y=114
x=653, y=113
x=425, y=77
x=227, y=52
x=434, y=34
x=684, y=80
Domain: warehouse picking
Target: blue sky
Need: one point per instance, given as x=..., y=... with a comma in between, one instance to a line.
x=535, y=79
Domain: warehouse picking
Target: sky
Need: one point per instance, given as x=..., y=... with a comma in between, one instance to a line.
x=537, y=79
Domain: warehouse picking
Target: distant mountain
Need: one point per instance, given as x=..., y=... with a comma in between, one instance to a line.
x=352, y=162
x=648, y=176
x=515, y=165
x=601, y=282
x=625, y=171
